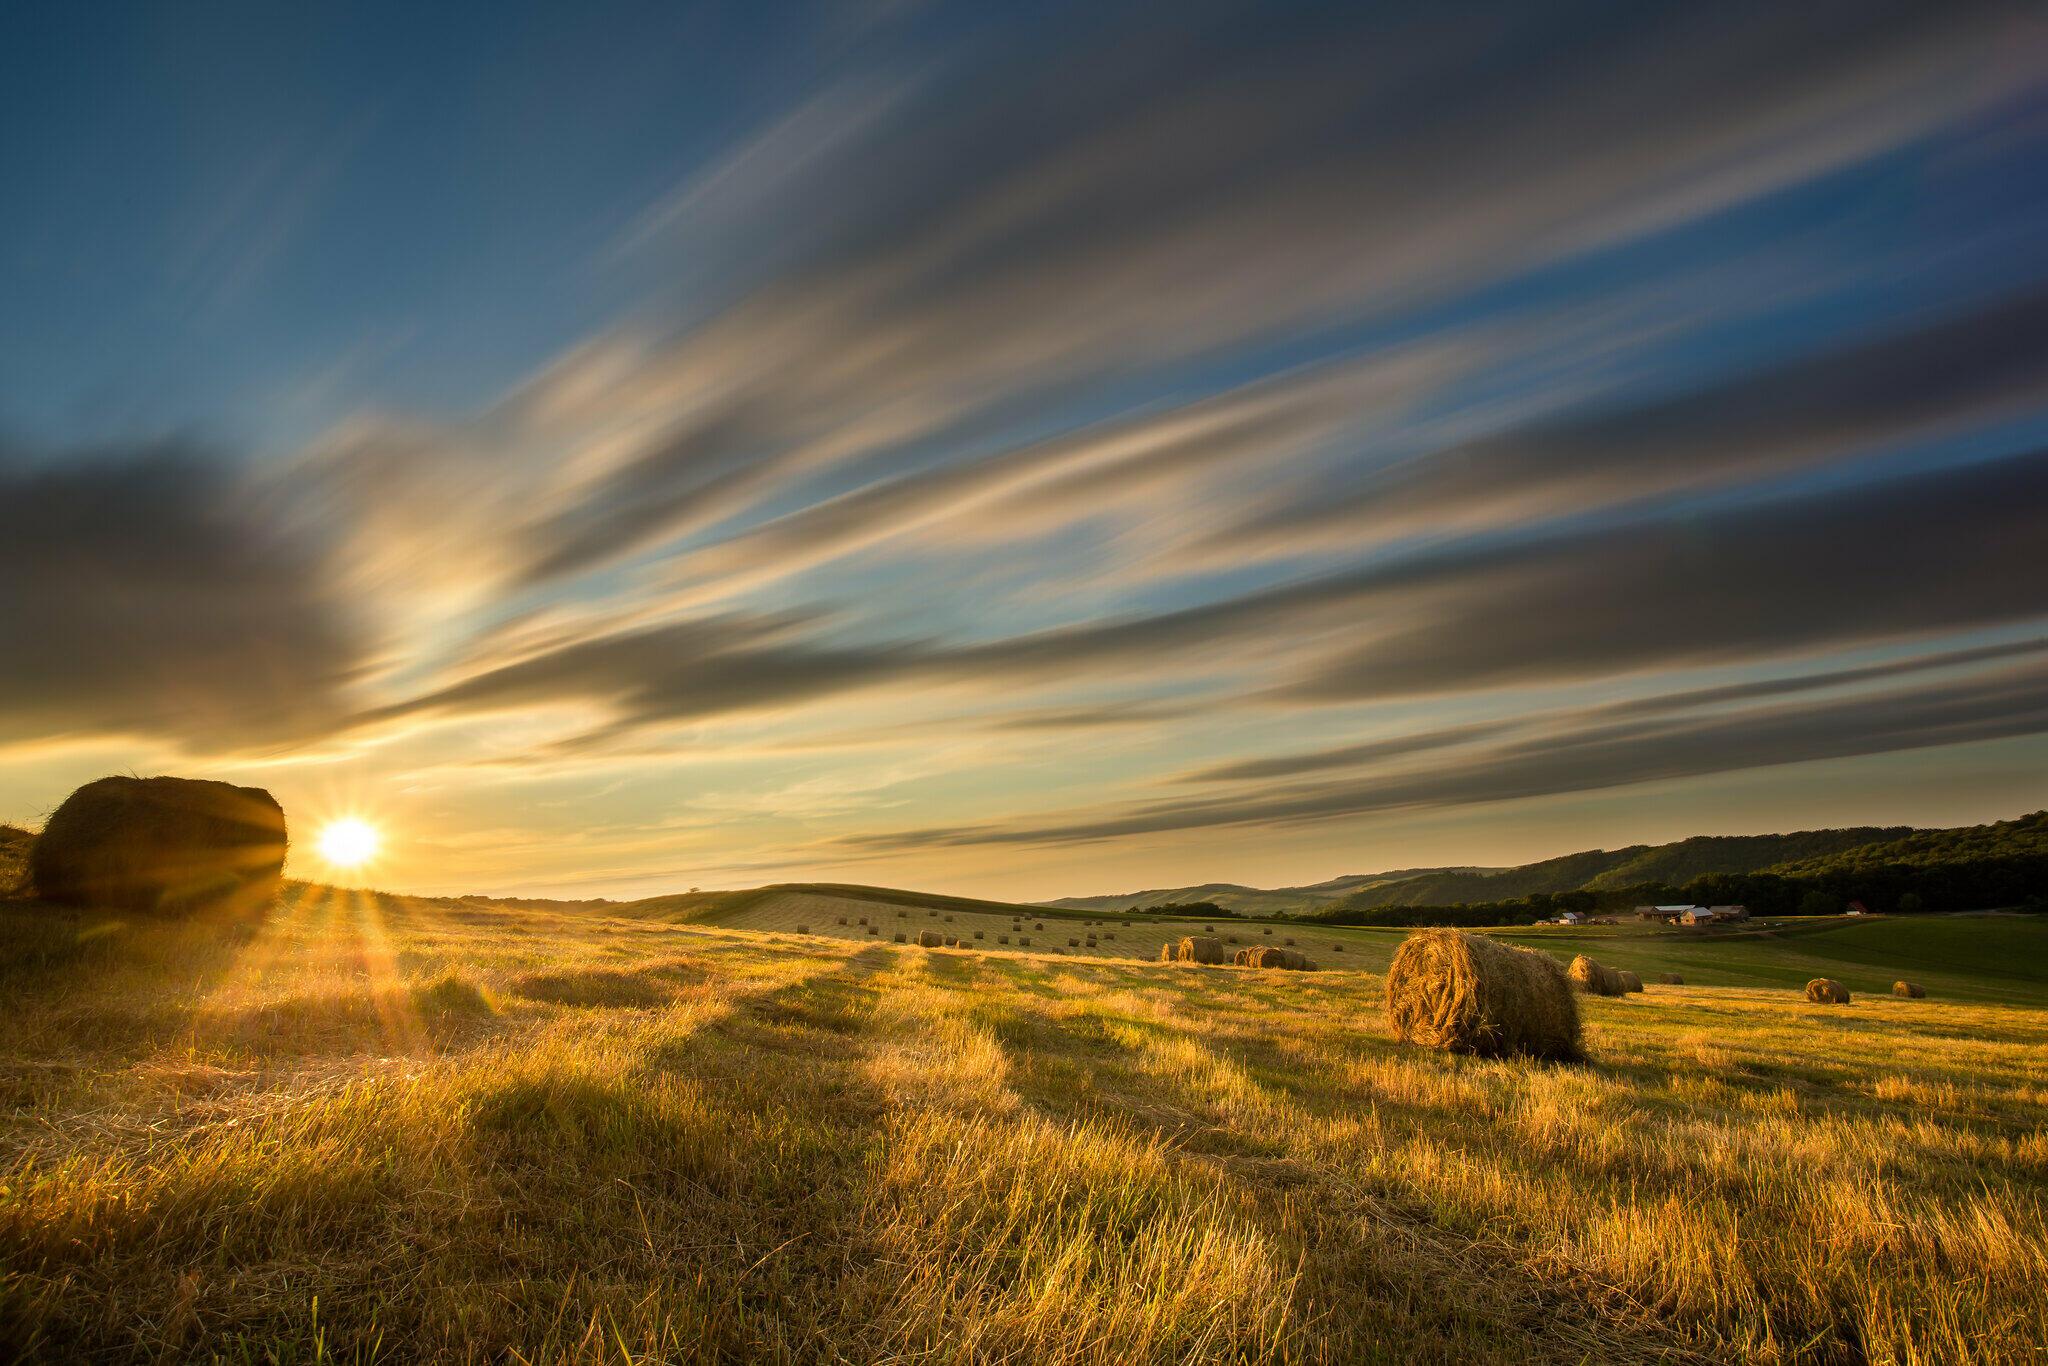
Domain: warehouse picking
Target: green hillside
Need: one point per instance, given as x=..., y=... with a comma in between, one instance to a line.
x=2026, y=837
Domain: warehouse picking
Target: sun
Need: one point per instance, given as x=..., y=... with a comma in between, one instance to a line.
x=348, y=842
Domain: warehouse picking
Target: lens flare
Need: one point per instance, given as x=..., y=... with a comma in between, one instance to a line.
x=348, y=843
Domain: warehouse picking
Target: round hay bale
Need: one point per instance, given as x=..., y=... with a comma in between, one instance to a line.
x=1024, y=941
x=1911, y=990
x=842, y=920
x=1288, y=942
x=1629, y=981
x=1166, y=953
x=1827, y=991
x=1241, y=959
x=900, y=937
x=161, y=844
x=1595, y=979
x=1468, y=993
x=929, y=939
x=1200, y=948
x=981, y=934
x=803, y=929
x=951, y=942
x=1002, y=939
x=1039, y=926
x=1671, y=979
x=1268, y=933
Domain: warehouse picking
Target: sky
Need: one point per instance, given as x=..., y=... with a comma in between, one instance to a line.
x=1026, y=450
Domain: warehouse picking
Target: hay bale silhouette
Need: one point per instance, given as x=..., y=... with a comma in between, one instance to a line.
x=929, y=939
x=1039, y=926
x=1002, y=939
x=842, y=920
x=1024, y=941
x=1166, y=953
x=900, y=938
x=1911, y=990
x=1073, y=943
x=1827, y=991
x=161, y=844
x=1288, y=942
x=1629, y=980
x=1467, y=993
x=1336, y=948
x=1266, y=932
x=1671, y=979
x=1241, y=959
x=803, y=929
x=1595, y=979
x=1199, y=948
x=1291, y=960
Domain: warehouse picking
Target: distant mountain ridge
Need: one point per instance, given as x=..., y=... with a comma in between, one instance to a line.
x=1235, y=896
x=1670, y=864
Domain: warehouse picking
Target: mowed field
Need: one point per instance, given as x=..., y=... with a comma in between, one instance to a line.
x=378, y=1128
x=1048, y=933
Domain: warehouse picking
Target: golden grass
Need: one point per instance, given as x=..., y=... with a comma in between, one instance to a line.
x=380, y=1129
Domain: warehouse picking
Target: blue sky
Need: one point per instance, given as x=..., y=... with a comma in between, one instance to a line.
x=1030, y=449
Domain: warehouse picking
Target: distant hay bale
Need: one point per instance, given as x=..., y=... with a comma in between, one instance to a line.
x=1336, y=948
x=1039, y=926
x=863, y=920
x=873, y=931
x=951, y=942
x=1288, y=942
x=1073, y=943
x=803, y=929
x=1002, y=939
x=1671, y=979
x=1595, y=979
x=949, y=920
x=1468, y=993
x=929, y=939
x=900, y=938
x=902, y=914
x=1827, y=991
x=1911, y=990
x=1199, y=948
x=161, y=844
x=1291, y=960
x=981, y=934
x=842, y=920
x=1629, y=980
x=1024, y=941
x=1265, y=932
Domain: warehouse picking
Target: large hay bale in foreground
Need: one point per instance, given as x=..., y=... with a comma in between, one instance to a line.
x=1827, y=991
x=1595, y=979
x=1629, y=980
x=1200, y=948
x=161, y=844
x=1471, y=994
x=1910, y=990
